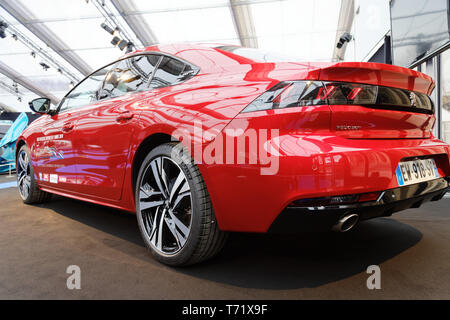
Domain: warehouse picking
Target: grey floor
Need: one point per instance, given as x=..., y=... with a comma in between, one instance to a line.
x=38, y=243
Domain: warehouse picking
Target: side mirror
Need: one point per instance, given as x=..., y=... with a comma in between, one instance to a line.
x=40, y=105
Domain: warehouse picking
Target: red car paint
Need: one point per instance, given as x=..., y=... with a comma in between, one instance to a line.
x=315, y=159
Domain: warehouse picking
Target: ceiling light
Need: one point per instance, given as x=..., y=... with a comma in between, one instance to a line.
x=130, y=47
x=115, y=41
x=115, y=32
x=107, y=28
x=44, y=66
x=122, y=44
x=3, y=26
x=346, y=37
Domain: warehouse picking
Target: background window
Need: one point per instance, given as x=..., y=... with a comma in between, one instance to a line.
x=170, y=71
x=445, y=96
x=129, y=75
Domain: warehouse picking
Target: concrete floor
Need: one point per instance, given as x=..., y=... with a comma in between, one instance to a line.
x=37, y=243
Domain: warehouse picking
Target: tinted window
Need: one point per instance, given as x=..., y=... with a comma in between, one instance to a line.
x=171, y=71
x=129, y=75
x=85, y=92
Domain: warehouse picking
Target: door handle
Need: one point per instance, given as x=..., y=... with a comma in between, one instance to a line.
x=125, y=116
x=67, y=126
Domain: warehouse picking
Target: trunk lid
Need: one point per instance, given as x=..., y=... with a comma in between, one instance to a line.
x=395, y=104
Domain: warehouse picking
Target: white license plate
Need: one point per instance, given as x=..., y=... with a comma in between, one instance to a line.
x=415, y=171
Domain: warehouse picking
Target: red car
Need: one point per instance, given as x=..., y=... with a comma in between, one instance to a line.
x=199, y=140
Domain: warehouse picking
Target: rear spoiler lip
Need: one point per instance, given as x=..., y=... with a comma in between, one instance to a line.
x=377, y=74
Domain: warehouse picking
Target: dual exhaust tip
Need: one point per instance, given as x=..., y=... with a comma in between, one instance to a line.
x=346, y=223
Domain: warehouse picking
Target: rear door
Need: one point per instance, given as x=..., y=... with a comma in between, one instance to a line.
x=104, y=132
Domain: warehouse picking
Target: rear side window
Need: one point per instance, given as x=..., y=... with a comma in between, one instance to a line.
x=171, y=71
x=129, y=75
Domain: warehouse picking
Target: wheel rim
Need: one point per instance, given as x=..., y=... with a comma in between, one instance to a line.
x=23, y=175
x=165, y=205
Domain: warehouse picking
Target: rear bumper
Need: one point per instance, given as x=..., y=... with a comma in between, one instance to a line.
x=301, y=219
x=310, y=166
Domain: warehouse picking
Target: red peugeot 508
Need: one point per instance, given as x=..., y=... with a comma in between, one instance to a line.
x=199, y=140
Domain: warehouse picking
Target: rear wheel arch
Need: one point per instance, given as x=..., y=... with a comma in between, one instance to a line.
x=147, y=145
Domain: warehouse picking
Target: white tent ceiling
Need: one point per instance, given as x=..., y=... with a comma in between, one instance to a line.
x=301, y=28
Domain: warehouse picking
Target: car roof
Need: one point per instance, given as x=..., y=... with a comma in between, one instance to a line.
x=209, y=56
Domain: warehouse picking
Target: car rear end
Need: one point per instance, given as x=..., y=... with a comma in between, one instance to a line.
x=355, y=142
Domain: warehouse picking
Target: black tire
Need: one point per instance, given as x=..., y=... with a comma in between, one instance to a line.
x=204, y=238
x=26, y=182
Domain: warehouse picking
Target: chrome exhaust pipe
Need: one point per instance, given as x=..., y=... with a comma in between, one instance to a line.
x=346, y=223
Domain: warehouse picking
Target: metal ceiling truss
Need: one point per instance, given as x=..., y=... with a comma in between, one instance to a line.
x=345, y=22
x=212, y=5
x=25, y=82
x=23, y=16
x=19, y=36
x=136, y=22
x=5, y=108
x=243, y=22
x=112, y=20
x=12, y=89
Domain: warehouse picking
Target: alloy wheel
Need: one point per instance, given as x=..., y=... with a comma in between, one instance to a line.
x=23, y=175
x=165, y=204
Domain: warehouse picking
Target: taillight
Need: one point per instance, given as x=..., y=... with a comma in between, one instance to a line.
x=288, y=94
x=352, y=93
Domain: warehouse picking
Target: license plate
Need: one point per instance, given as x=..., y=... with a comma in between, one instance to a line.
x=415, y=171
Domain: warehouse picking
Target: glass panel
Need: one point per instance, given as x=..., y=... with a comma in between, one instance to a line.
x=203, y=25
x=98, y=58
x=296, y=27
x=85, y=92
x=146, y=5
x=129, y=75
x=59, y=10
x=445, y=96
x=52, y=83
x=168, y=73
x=81, y=34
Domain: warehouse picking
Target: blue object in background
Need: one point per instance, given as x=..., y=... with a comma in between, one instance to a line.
x=8, y=143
